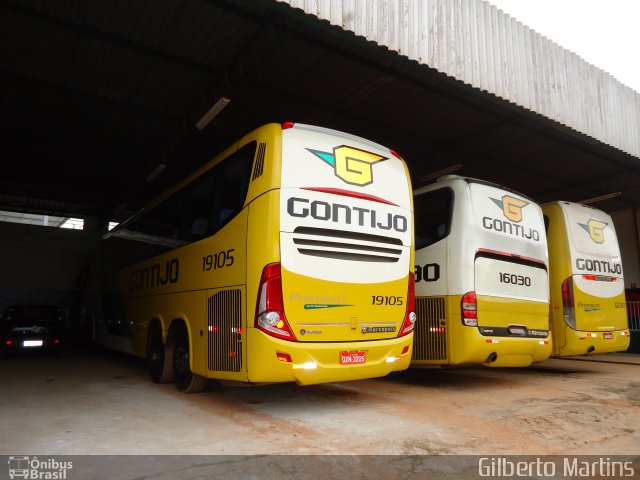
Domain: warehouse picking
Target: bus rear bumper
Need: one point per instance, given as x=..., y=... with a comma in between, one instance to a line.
x=473, y=348
x=311, y=363
x=514, y=352
x=587, y=343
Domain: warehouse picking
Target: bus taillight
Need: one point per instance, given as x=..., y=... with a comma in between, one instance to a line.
x=410, y=315
x=469, y=309
x=270, y=316
x=568, y=307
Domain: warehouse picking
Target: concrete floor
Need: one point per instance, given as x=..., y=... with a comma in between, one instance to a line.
x=103, y=403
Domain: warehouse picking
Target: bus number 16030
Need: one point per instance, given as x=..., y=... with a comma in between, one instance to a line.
x=513, y=279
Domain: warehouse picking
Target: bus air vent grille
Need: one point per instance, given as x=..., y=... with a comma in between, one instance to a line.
x=343, y=245
x=225, y=331
x=430, y=336
x=258, y=167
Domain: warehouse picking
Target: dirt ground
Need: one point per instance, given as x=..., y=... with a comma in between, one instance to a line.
x=103, y=403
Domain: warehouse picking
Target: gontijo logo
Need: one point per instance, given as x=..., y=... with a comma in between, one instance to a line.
x=350, y=164
x=511, y=207
x=595, y=230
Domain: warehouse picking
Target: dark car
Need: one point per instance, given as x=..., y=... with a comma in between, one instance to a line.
x=32, y=328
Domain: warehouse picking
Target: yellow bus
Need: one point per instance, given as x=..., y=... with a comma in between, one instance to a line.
x=482, y=286
x=285, y=258
x=588, y=306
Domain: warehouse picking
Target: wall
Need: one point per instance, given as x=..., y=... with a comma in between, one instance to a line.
x=43, y=264
x=626, y=229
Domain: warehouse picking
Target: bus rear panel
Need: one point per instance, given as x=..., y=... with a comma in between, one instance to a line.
x=344, y=262
x=587, y=283
x=482, y=294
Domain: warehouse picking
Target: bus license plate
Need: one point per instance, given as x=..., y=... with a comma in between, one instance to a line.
x=353, y=358
x=32, y=343
x=520, y=331
x=608, y=335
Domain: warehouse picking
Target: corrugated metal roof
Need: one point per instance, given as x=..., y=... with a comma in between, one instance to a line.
x=474, y=42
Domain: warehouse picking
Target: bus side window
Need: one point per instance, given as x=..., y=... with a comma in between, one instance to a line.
x=212, y=200
x=231, y=185
x=200, y=208
x=159, y=225
x=433, y=213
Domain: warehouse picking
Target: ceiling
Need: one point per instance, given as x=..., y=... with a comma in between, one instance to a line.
x=95, y=95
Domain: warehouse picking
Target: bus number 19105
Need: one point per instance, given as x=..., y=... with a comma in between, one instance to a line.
x=384, y=300
x=217, y=260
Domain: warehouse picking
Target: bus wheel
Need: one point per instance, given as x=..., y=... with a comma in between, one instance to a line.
x=186, y=380
x=160, y=358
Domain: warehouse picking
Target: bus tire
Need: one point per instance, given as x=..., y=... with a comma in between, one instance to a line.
x=186, y=380
x=160, y=357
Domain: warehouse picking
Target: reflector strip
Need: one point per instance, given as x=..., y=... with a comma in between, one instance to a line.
x=283, y=357
x=600, y=278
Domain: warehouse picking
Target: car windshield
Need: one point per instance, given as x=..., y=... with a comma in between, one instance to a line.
x=33, y=314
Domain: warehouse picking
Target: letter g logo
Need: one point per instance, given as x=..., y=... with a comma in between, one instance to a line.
x=595, y=230
x=511, y=207
x=351, y=164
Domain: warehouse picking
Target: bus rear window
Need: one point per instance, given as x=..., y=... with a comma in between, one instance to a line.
x=433, y=212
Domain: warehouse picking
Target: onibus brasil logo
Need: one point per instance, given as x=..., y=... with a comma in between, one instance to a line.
x=511, y=207
x=34, y=468
x=595, y=229
x=350, y=164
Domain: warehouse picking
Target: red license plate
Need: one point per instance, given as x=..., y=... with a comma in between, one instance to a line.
x=608, y=335
x=353, y=358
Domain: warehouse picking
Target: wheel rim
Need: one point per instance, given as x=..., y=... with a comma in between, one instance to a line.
x=156, y=357
x=156, y=354
x=181, y=363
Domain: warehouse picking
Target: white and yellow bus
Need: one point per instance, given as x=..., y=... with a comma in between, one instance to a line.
x=287, y=257
x=482, y=286
x=588, y=306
